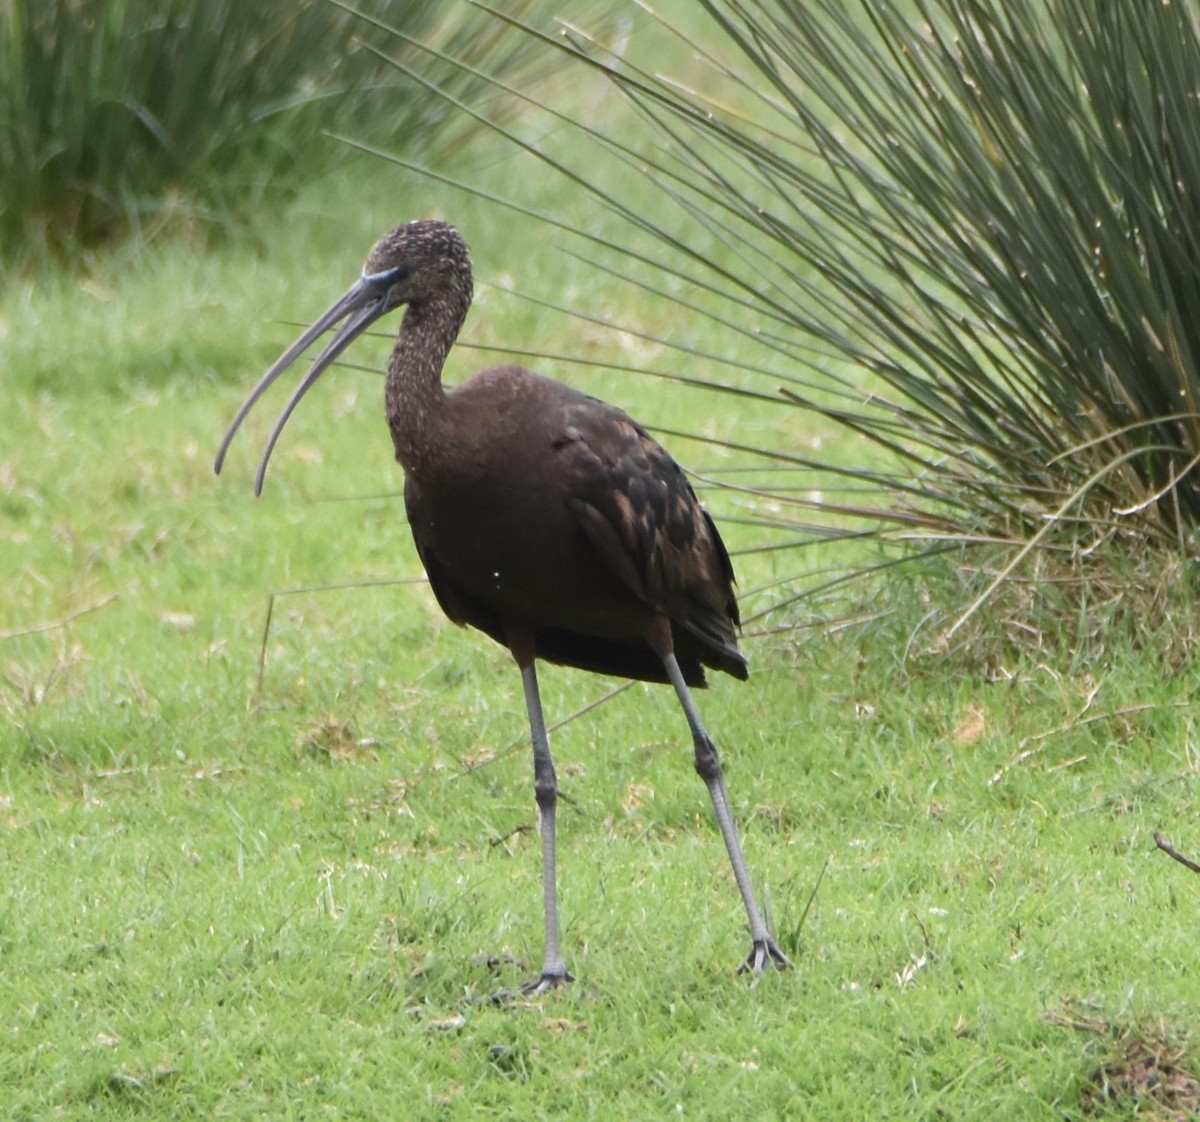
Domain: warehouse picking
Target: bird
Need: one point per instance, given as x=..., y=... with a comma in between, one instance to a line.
x=547, y=519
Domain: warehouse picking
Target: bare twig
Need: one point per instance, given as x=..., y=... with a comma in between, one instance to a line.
x=1086, y=1024
x=924, y=929
x=53, y=625
x=336, y=586
x=809, y=903
x=1173, y=853
x=500, y=839
x=1079, y=721
x=554, y=726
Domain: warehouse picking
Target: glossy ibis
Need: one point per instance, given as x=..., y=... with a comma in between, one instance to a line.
x=545, y=518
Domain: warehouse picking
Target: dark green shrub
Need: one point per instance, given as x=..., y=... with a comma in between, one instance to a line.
x=965, y=229
x=115, y=114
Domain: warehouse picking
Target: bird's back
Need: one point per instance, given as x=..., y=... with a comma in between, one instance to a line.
x=538, y=509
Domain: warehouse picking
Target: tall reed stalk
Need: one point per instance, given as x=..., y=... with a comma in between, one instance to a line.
x=964, y=229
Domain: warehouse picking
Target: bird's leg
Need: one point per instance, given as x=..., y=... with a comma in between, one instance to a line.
x=764, y=951
x=545, y=787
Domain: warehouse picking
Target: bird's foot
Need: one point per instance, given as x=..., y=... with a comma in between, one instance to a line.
x=546, y=981
x=765, y=954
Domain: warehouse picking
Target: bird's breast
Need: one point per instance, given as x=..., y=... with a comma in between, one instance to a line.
x=502, y=532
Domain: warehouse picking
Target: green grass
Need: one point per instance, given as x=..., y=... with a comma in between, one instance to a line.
x=224, y=906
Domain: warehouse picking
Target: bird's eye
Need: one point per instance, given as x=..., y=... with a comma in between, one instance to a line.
x=386, y=277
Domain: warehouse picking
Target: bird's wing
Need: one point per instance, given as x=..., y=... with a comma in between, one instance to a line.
x=643, y=519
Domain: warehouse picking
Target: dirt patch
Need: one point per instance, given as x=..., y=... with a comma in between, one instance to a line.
x=1146, y=1073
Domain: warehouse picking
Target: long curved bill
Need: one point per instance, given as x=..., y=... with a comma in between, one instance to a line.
x=360, y=307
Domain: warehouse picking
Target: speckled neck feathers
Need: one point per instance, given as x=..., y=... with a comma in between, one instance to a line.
x=434, y=279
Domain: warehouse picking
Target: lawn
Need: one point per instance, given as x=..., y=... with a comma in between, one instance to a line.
x=290, y=895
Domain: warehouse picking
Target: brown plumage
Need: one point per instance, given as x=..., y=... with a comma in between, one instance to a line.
x=545, y=518
x=611, y=537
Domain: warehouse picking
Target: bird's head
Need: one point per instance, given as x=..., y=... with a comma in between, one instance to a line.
x=408, y=265
x=418, y=259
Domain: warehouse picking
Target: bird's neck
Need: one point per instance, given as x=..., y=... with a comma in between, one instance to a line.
x=414, y=393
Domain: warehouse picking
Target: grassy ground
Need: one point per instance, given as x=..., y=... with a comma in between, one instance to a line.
x=223, y=903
